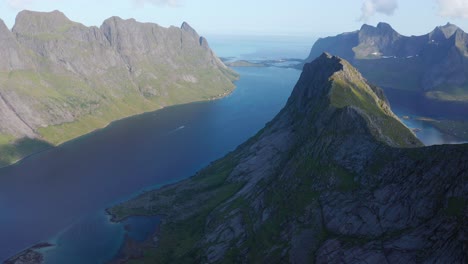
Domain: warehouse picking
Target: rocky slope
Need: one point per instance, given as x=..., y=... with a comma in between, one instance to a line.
x=60, y=79
x=435, y=63
x=333, y=178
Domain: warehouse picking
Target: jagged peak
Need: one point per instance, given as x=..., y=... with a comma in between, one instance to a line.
x=204, y=43
x=384, y=26
x=330, y=82
x=446, y=31
x=314, y=83
x=118, y=20
x=3, y=29
x=366, y=27
x=381, y=28
x=338, y=70
x=33, y=22
x=113, y=19
x=114, y=22
x=186, y=27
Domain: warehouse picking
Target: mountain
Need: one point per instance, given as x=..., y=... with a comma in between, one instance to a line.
x=435, y=64
x=335, y=177
x=60, y=79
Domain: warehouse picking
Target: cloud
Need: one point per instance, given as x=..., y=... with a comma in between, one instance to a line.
x=170, y=3
x=371, y=7
x=453, y=8
x=19, y=4
x=25, y=4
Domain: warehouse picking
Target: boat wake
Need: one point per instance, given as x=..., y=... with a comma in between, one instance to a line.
x=177, y=129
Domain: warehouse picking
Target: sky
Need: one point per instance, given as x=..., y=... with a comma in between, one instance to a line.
x=260, y=17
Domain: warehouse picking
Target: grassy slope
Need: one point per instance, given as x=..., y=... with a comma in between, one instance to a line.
x=207, y=190
x=13, y=150
x=357, y=93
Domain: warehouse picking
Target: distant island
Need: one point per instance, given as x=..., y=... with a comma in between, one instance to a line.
x=60, y=79
x=282, y=63
x=455, y=128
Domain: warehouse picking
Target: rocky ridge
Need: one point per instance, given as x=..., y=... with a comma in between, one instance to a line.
x=333, y=178
x=60, y=79
x=435, y=63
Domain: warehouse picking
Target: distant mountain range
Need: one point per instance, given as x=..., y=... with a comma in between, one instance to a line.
x=60, y=79
x=435, y=64
x=335, y=177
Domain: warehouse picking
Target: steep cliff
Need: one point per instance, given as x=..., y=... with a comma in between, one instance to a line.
x=333, y=178
x=60, y=79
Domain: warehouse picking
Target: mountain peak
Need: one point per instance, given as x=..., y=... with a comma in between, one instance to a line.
x=384, y=26
x=313, y=83
x=334, y=84
x=186, y=27
x=381, y=28
x=4, y=31
x=366, y=27
x=445, y=31
x=33, y=22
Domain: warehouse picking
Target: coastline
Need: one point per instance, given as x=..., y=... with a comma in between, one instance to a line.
x=213, y=98
x=30, y=254
x=122, y=199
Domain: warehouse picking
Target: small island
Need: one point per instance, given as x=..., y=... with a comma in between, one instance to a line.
x=455, y=128
x=244, y=63
x=280, y=63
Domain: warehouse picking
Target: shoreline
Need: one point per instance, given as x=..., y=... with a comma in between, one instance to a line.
x=18, y=162
x=131, y=249
x=30, y=253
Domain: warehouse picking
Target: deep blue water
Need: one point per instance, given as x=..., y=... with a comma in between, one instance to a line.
x=256, y=48
x=60, y=195
x=414, y=105
x=93, y=239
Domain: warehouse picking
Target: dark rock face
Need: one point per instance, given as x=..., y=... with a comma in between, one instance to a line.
x=333, y=178
x=436, y=61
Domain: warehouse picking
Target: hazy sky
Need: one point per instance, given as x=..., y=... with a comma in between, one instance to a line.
x=268, y=17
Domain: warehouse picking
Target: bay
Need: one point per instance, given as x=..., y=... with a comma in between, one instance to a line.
x=414, y=105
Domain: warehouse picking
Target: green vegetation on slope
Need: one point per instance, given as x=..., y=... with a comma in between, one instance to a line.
x=178, y=239
x=12, y=150
x=357, y=92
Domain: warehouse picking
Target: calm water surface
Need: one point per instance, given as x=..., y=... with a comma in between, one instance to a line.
x=59, y=195
x=415, y=105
